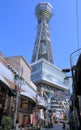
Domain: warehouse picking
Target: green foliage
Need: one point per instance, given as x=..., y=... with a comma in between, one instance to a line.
x=6, y=123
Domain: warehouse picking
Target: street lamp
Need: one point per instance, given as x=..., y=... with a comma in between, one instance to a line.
x=66, y=70
x=16, y=105
x=18, y=82
x=17, y=71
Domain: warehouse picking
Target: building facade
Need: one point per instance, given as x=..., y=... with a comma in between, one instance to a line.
x=18, y=94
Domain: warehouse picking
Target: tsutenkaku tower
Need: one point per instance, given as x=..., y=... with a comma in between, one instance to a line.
x=48, y=78
x=42, y=47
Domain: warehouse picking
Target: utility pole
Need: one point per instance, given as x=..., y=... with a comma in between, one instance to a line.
x=18, y=82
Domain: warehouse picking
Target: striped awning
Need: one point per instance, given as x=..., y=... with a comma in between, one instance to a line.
x=41, y=103
x=2, y=79
x=8, y=84
x=11, y=84
x=28, y=92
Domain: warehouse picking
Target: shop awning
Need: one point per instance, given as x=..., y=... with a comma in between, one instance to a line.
x=28, y=92
x=2, y=79
x=11, y=84
x=41, y=103
x=8, y=84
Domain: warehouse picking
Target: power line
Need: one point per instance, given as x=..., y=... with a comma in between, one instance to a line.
x=77, y=22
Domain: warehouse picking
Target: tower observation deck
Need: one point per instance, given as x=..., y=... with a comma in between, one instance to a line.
x=42, y=47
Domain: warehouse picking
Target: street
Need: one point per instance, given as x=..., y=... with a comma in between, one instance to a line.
x=56, y=127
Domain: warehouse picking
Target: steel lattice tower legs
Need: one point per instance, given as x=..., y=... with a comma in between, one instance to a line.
x=42, y=47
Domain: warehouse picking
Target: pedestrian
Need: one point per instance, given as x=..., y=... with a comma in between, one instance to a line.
x=64, y=125
x=67, y=127
x=1, y=114
x=17, y=124
x=23, y=128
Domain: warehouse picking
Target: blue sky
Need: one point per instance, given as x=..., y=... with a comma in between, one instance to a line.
x=18, y=26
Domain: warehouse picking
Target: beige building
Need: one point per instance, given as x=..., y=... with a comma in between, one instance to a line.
x=27, y=90
x=18, y=94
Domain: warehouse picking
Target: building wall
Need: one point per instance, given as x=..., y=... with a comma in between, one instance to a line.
x=26, y=69
x=21, y=66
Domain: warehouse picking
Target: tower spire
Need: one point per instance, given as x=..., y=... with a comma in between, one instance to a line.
x=42, y=47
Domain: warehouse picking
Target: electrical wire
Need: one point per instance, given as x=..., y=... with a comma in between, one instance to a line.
x=77, y=22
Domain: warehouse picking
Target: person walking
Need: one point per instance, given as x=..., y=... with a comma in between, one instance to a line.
x=64, y=126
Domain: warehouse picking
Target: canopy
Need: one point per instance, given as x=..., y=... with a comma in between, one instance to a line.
x=28, y=91
x=6, y=83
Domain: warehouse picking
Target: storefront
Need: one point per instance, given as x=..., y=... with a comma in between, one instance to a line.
x=5, y=92
x=6, y=89
x=27, y=101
